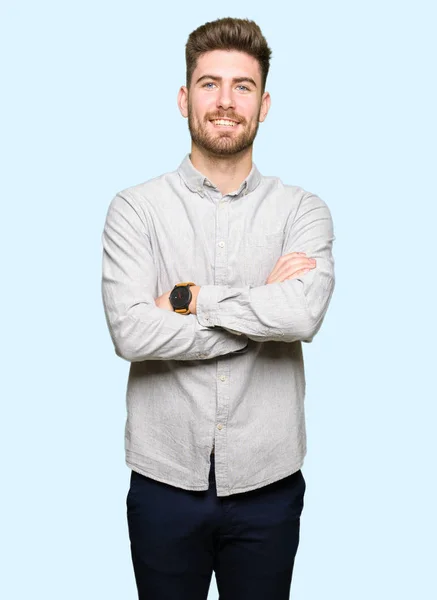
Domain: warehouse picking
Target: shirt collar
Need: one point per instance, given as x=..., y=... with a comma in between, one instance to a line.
x=197, y=182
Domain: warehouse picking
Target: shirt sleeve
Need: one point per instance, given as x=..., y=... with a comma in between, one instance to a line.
x=139, y=329
x=288, y=311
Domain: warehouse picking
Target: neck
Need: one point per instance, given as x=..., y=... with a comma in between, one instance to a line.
x=226, y=172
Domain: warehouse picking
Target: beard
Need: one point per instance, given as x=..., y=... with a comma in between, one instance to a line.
x=221, y=143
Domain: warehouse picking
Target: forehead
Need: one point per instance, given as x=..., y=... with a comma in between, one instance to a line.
x=227, y=64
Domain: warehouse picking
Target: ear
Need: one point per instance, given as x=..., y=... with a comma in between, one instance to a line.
x=183, y=101
x=265, y=106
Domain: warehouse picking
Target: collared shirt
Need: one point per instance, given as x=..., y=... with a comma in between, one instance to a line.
x=232, y=375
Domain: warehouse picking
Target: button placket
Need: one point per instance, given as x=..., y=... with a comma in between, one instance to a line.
x=223, y=365
x=221, y=254
x=223, y=398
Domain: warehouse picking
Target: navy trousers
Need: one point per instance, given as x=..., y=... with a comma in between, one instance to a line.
x=180, y=537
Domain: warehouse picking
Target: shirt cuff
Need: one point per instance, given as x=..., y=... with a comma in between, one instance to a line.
x=207, y=305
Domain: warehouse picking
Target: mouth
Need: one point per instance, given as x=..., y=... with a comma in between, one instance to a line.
x=224, y=123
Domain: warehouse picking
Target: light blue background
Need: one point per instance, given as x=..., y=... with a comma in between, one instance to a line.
x=89, y=108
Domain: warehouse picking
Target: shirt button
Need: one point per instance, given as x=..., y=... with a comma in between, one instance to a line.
x=222, y=377
x=219, y=426
x=221, y=244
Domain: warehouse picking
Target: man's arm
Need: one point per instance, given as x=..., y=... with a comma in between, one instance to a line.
x=286, y=311
x=139, y=329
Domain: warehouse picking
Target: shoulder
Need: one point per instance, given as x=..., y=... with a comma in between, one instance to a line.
x=295, y=196
x=150, y=188
x=136, y=203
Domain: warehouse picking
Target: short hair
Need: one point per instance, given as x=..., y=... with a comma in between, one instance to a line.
x=228, y=33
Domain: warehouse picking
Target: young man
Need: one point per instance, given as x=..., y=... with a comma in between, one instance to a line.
x=213, y=276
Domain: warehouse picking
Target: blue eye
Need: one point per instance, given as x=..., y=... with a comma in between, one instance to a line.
x=209, y=86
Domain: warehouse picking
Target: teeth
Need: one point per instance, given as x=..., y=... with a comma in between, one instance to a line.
x=224, y=122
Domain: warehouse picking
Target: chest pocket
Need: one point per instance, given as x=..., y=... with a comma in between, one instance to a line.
x=261, y=252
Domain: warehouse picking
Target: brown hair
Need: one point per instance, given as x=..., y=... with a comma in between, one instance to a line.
x=228, y=34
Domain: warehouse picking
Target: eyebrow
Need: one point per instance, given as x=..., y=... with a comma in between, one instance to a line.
x=235, y=79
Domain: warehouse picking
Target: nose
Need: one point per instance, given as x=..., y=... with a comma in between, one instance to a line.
x=225, y=98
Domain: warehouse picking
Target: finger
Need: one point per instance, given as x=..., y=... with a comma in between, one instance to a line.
x=290, y=267
x=287, y=273
x=286, y=259
x=295, y=275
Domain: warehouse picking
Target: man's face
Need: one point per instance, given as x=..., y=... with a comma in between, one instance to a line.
x=225, y=85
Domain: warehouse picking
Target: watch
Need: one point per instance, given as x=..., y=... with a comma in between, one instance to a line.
x=180, y=297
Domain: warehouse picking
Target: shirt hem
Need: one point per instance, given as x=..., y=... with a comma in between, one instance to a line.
x=141, y=471
x=265, y=482
x=221, y=493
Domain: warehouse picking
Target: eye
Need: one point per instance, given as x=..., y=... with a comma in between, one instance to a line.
x=205, y=85
x=245, y=88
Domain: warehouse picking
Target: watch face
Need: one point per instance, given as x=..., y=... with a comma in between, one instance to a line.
x=180, y=297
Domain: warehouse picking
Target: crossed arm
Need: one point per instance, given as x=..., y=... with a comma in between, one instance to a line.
x=288, y=266
x=283, y=309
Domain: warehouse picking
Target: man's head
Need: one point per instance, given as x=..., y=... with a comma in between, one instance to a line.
x=227, y=66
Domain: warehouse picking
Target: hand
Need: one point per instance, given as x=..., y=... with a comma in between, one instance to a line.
x=164, y=302
x=290, y=266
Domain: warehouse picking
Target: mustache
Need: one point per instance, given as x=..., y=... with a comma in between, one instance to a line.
x=231, y=116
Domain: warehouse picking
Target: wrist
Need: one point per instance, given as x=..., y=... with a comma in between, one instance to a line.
x=192, y=307
x=180, y=297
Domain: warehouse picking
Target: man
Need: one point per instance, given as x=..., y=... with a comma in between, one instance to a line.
x=213, y=276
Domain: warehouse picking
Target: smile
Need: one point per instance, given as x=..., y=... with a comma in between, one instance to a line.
x=224, y=123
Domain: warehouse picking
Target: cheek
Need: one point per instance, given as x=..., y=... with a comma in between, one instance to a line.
x=205, y=105
x=250, y=110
